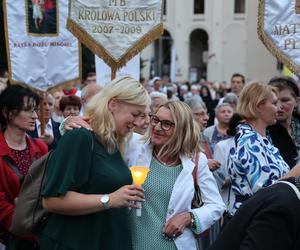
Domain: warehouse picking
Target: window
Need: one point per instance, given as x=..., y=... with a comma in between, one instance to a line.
x=239, y=6
x=165, y=7
x=199, y=6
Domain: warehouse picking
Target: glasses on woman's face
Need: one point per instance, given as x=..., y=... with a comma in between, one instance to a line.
x=164, y=124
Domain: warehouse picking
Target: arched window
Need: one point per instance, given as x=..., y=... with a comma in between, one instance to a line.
x=239, y=6
x=199, y=6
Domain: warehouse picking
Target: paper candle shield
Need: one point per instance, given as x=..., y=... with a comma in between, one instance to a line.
x=139, y=174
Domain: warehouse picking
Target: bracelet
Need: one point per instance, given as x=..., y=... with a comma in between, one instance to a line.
x=192, y=219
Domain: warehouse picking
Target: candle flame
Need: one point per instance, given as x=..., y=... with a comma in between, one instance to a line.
x=139, y=174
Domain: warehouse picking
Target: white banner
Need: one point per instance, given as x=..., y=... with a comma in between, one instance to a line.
x=279, y=30
x=42, y=53
x=116, y=30
x=103, y=71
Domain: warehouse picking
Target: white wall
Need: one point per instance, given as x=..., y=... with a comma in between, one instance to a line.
x=233, y=45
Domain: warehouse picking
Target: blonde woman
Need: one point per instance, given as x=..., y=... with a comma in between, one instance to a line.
x=88, y=187
x=167, y=220
x=254, y=161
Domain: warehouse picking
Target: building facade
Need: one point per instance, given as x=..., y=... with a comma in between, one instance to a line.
x=209, y=39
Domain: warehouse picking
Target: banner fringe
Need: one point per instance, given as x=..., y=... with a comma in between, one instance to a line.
x=267, y=41
x=100, y=51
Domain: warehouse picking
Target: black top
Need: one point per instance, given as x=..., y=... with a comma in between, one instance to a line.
x=269, y=220
x=284, y=142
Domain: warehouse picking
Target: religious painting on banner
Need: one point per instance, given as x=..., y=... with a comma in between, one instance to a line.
x=116, y=30
x=279, y=30
x=42, y=17
x=41, y=52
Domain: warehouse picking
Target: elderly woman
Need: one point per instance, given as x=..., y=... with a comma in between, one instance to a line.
x=88, y=186
x=201, y=117
x=216, y=133
x=70, y=105
x=254, y=161
x=287, y=128
x=169, y=187
x=18, y=113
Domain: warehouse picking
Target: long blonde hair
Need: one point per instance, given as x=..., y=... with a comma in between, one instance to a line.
x=186, y=134
x=123, y=89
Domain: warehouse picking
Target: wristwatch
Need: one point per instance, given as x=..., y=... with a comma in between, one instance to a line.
x=105, y=201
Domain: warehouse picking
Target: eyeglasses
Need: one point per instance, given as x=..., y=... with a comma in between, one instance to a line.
x=164, y=124
x=31, y=110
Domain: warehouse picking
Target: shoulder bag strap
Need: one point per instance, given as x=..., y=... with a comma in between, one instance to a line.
x=195, y=173
x=13, y=166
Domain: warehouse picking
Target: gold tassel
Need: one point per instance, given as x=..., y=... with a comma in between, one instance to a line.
x=269, y=43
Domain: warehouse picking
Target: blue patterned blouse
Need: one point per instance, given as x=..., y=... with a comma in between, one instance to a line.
x=253, y=163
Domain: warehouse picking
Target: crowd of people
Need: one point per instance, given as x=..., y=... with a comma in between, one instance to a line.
x=243, y=142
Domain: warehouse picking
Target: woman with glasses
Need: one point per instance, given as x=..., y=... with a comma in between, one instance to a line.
x=167, y=219
x=18, y=113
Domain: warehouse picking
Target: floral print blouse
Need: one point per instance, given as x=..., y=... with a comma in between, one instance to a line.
x=254, y=163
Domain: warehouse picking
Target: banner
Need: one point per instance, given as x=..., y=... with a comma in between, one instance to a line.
x=42, y=53
x=103, y=72
x=279, y=30
x=116, y=30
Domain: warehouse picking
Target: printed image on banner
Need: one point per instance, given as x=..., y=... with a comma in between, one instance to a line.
x=116, y=30
x=41, y=52
x=279, y=30
x=42, y=17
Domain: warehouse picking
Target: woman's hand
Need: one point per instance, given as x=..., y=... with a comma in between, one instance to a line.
x=125, y=196
x=213, y=164
x=76, y=122
x=175, y=226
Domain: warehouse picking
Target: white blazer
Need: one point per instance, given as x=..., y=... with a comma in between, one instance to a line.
x=183, y=190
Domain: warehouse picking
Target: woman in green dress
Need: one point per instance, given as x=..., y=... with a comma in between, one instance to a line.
x=88, y=186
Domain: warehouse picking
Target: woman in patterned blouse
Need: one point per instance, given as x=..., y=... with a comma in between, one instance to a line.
x=254, y=162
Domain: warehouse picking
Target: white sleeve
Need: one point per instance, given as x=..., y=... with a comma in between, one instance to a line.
x=213, y=207
x=220, y=174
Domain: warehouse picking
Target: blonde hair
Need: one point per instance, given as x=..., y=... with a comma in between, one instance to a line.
x=122, y=89
x=186, y=134
x=252, y=95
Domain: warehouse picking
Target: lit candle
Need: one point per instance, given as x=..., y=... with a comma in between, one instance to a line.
x=139, y=175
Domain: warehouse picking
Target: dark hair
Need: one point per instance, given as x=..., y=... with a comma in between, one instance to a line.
x=71, y=100
x=235, y=120
x=12, y=99
x=238, y=75
x=90, y=74
x=284, y=82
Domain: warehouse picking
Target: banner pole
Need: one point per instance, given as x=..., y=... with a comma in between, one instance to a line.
x=297, y=7
x=42, y=114
x=113, y=73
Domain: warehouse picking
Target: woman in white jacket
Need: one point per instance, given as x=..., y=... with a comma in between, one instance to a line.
x=168, y=221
